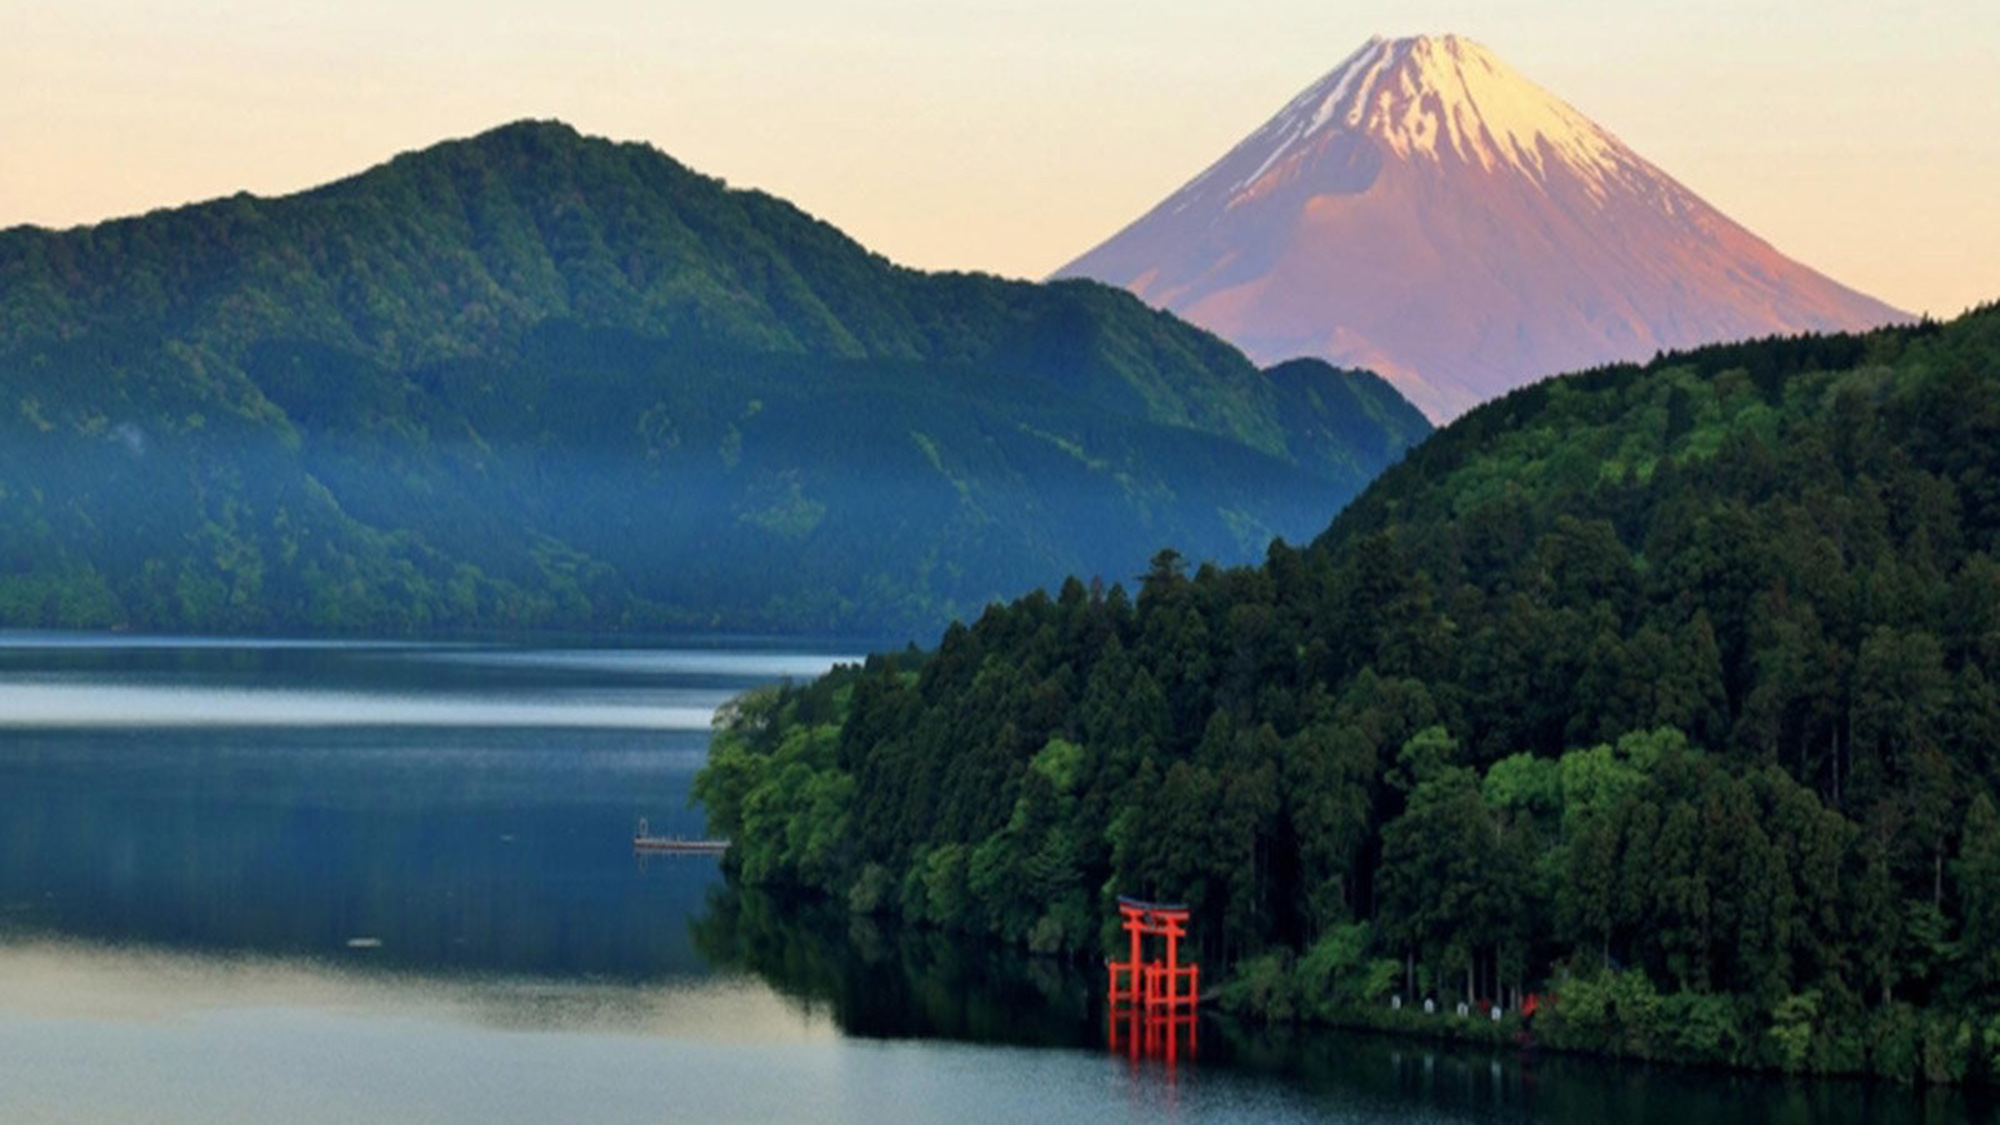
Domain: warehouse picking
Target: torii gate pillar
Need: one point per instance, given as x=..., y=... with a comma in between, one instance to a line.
x=1156, y=997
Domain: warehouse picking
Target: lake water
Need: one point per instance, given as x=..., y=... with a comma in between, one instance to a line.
x=332, y=882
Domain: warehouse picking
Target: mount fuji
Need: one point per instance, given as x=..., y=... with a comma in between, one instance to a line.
x=1427, y=212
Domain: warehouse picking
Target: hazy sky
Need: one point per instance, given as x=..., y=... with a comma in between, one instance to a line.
x=1012, y=135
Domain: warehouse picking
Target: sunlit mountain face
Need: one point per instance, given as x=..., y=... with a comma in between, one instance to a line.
x=1427, y=212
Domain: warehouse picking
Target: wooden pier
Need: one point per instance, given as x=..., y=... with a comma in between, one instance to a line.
x=643, y=840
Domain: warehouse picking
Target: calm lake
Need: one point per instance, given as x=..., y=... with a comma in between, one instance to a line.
x=344, y=882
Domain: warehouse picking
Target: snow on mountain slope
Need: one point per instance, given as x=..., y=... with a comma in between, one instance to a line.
x=1426, y=211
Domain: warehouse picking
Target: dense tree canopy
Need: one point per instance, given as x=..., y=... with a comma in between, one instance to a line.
x=536, y=379
x=1670, y=688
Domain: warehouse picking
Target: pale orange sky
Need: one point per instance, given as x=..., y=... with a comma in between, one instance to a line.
x=1011, y=135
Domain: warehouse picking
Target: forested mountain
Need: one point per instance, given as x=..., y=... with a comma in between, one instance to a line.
x=533, y=378
x=1674, y=690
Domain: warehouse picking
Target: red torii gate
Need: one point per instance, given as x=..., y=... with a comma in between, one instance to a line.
x=1153, y=991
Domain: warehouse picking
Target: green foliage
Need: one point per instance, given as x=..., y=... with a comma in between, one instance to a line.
x=1705, y=1027
x=1978, y=883
x=1792, y=1031
x=1265, y=986
x=532, y=379
x=1337, y=978
x=870, y=893
x=1526, y=785
x=1668, y=690
x=1619, y=1012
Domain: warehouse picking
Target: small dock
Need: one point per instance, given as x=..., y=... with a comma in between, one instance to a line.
x=643, y=840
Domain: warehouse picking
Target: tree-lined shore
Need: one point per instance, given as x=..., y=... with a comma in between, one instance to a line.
x=1666, y=691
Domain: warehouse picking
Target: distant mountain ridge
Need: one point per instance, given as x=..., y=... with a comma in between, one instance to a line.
x=1425, y=211
x=536, y=379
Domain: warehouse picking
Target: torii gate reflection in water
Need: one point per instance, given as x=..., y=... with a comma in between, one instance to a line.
x=1152, y=1001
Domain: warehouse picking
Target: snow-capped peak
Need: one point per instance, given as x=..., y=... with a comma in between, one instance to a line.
x=1428, y=213
x=1426, y=97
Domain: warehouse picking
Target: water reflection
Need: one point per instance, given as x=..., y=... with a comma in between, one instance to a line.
x=54, y=640
x=294, y=799
x=877, y=980
x=498, y=851
x=65, y=979
x=651, y=662
x=101, y=706
x=896, y=982
x=352, y=882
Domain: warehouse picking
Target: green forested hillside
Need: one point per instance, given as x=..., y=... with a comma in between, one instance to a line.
x=1672, y=691
x=533, y=378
